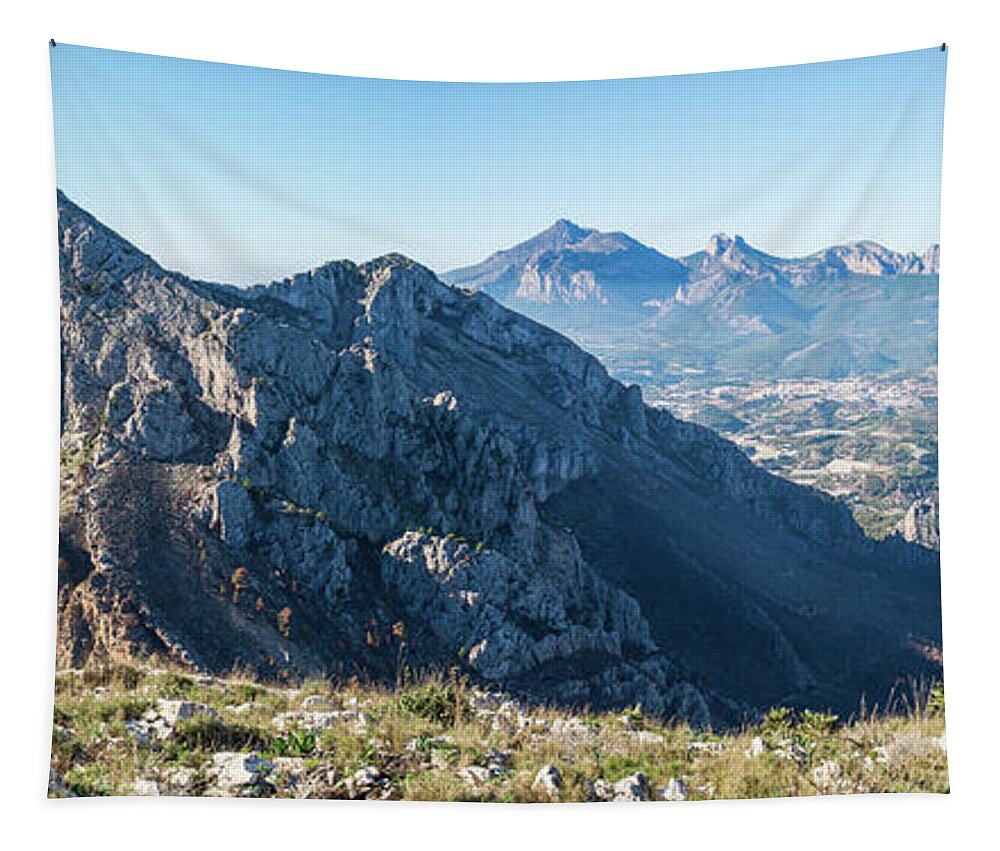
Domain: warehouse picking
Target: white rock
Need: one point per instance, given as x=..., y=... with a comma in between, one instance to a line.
x=182, y=779
x=633, y=788
x=475, y=774
x=645, y=737
x=675, y=790
x=548, y=781
x=757, y=747
x=236, y=771
x=366, y=782
x=172, y=711
x=309, y=720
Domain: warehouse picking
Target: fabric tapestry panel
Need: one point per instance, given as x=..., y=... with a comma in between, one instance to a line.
x=529, y=442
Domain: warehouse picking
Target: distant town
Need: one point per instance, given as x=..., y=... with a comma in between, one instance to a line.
x=870, y=440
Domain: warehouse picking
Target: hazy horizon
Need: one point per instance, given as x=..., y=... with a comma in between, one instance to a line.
x=244, y=175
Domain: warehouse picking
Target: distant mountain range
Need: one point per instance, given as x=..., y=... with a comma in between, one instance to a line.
x=851, y=308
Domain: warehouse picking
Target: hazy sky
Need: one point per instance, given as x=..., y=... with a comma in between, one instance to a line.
x=241, y=174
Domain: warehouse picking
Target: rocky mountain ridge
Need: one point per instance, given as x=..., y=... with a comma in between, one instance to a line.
x=360, y=468
x=729, y=309
x=572, y=264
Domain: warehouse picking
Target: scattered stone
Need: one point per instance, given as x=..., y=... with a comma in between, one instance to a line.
x=757, y=747
x=675, y=790
x=181, y=780
x=633, y=788
x=355, y=721
x=475, y=774
x=239, y=774
x=172, y=711
x=548, y=781
x=708, y=747
x=645, y=737
x=497, y=761
x=148, y=733
x=368, y=782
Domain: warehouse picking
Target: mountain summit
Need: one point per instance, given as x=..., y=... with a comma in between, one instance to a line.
x=359, y=467
x=567, y=264
x=857, y=307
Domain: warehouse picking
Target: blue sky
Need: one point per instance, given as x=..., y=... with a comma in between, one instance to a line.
x=242, y=174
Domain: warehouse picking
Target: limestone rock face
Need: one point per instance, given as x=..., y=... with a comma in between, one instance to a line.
x=921, y=524
x=512, y=620
x=360, y=468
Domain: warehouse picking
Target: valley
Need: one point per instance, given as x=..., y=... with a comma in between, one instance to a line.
x=868, y=440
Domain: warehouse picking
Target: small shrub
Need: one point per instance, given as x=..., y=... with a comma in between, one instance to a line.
x=440, y=704
x=122, y=710
x=294, y=743
x=123, y=676
x=177, y=686
x=89, y=781
x=210, y=734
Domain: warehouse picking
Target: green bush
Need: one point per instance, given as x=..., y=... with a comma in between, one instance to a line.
x=178, y=687
x=205, y=733
x=433, y=702
x=294, y=743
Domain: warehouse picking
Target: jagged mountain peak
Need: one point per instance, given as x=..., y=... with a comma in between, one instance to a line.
x=565, y=230
x=720, y=243
x=576, y=266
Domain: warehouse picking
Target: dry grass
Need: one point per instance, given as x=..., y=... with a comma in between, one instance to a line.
x=423, y=735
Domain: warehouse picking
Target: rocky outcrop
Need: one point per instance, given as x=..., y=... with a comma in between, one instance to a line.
x=920, y=525
x=359, y=468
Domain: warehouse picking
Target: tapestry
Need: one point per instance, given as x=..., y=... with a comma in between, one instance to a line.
x=529, y=442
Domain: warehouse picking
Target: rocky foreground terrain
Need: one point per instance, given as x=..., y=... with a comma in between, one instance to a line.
x=361, y=471
x=124, y=731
